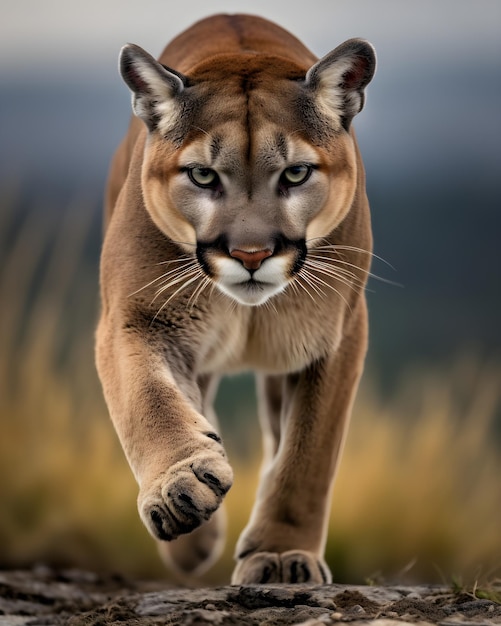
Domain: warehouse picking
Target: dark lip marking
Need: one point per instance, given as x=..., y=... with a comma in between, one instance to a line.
x=204, y=247
x=302, y=251
x=281, y=244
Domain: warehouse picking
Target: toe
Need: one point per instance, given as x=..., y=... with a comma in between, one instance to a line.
x=304, y=567
x=260, y=568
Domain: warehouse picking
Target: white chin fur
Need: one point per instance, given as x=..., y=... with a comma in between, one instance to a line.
x=234, y=281
x=251, y=294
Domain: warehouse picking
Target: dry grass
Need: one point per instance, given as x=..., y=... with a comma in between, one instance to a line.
x=419, y=484
x=419, y=481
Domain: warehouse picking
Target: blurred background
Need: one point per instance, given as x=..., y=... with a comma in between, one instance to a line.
x=418, y=495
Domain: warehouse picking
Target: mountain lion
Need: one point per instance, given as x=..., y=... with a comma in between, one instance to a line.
x=237, y=238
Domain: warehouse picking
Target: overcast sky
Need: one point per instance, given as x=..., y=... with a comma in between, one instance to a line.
x=39, y=35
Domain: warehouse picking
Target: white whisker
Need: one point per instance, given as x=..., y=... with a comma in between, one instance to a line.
x=197, y=292
x=353, y=283
x=298, y=283
x=179, y=278
x=212, y=289
x=333, y=267
x=231, y=304
x=340, y=261
x=184, y=243
x=328, y=258
x=182, y=259
x=162, y=276
x=183, y=286
x=337, y=247
x=337, y=260
x=294, y=284
x=313, y=277
x=307, y=277
x=178, y=271
x=270, y=305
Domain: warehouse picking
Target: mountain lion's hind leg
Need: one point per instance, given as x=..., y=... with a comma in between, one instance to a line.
x=284, y=540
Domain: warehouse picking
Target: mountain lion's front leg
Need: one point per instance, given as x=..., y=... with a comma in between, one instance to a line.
x=194, y=553
x=175, y=453
x=285, y=538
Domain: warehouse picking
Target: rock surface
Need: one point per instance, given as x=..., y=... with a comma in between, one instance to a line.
x=44, y=597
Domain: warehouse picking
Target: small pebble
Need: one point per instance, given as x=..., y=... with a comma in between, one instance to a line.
x=327, y=604
x=358, y=609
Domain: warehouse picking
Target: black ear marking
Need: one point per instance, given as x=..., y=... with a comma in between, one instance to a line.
x=130, y=75
x=155, y=87
x=144, y=74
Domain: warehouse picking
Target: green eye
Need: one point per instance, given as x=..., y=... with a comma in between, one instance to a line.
x=295, y=175
x=203, y=177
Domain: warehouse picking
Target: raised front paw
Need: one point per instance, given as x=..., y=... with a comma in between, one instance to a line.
x=181, y=498
x=294, y=566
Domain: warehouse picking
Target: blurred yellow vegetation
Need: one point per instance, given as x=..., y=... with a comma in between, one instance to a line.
x=418, y=493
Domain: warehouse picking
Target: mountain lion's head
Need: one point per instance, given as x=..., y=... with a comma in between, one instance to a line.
x=249, y=161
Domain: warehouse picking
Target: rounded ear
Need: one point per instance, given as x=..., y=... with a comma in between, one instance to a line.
x=338, y=80
x=155, y=88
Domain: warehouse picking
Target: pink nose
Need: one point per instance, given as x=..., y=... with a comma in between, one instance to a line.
x=251, y=260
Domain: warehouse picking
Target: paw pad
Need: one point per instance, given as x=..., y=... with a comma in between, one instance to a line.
x=185, y=496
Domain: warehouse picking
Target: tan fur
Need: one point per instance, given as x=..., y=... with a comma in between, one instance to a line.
x=248, y=101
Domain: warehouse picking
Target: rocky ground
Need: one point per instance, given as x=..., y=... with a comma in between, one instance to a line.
x=45, y=597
